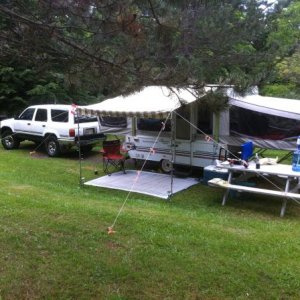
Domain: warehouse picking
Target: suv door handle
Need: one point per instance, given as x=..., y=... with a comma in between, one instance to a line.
x=28, y=123
x=43, y=125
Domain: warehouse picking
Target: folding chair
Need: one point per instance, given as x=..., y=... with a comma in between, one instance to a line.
x=113, y=159
x=246, y=150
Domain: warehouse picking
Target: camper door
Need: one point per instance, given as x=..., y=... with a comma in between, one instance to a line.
x=182, y=124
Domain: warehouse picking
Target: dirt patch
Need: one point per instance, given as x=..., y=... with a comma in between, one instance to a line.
x=113, y=245
x=38, y=155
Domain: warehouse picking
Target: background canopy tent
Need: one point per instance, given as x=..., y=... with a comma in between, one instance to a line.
x=151, y=102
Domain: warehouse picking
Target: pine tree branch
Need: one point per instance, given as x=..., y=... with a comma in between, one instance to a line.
x=153, y=13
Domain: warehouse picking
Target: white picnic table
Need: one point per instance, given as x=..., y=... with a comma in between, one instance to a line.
x=283, y=190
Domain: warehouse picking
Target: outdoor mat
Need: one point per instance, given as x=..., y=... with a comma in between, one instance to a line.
x=148, y=183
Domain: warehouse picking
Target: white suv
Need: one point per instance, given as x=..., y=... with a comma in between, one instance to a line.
x=54, y=126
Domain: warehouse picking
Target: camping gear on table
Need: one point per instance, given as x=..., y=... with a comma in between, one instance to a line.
x=257, y=163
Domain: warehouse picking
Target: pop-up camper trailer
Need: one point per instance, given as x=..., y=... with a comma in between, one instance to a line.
x=174, y=125
x=164, y=123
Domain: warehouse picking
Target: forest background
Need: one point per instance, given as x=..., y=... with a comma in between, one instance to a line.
x=83, y=51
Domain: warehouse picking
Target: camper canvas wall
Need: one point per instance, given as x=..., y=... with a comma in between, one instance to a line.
x=193, y=127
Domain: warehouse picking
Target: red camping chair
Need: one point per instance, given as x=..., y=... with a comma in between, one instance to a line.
x=113, y=159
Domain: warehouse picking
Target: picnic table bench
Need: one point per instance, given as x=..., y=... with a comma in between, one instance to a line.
x=284, y=190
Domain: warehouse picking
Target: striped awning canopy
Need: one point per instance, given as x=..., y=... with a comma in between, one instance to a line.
x=151, y=102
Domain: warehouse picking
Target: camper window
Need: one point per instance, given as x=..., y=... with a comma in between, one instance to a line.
x=257, y=124
x=152, y=124
x=117, y=122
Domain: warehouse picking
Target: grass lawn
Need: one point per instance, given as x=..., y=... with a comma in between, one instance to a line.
x=54, y=243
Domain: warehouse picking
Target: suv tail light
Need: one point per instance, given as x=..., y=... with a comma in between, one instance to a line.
x=71, y=132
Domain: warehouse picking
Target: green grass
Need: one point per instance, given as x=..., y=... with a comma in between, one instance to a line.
x=54, y=242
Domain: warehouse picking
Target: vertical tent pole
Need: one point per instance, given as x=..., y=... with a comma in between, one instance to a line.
x=79, y=150
x=100, y=130
x=216, y=134
x=173, y=146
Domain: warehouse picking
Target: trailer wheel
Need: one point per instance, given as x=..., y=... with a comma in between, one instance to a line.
x=166, y=166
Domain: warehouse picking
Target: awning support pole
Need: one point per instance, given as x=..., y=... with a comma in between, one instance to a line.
x=173, y=149
x=81, y=179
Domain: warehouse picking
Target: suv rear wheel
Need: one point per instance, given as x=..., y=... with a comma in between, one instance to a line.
x=52, y=146
x=9, y=140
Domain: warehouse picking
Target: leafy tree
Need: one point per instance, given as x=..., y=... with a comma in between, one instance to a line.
x=286, y=77
x=289, y=69
x=286, y=82
x=109, y=47
x=286, y=37
x=20, y=87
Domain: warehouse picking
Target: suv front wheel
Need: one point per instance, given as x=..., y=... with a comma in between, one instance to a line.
x=9, y=140
x=52, y=146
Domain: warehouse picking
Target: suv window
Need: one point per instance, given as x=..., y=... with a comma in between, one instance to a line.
x=41, y=115
x=85, y=119
x=58, y=115
x=27, y=114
